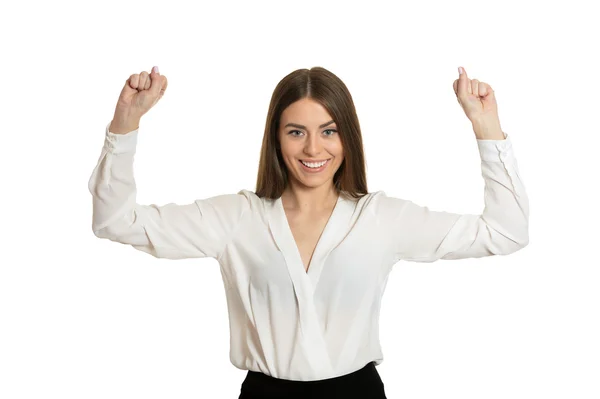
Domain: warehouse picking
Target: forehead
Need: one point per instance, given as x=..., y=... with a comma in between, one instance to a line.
x=307, y=112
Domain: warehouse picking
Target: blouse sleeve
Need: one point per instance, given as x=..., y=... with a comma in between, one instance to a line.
x=196, y=230
x=420, y=234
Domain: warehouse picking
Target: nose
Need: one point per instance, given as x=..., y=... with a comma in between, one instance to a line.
x=313, y=145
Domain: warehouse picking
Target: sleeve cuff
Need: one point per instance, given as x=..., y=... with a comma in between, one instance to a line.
x=495, y=150
x=120, y=143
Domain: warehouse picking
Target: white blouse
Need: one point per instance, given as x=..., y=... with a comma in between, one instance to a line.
x=284, y=321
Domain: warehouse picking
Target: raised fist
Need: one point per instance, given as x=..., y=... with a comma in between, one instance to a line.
x=140, y=93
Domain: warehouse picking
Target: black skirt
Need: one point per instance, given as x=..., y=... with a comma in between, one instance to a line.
x=361, y=384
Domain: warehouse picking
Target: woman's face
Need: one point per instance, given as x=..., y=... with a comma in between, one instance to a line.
x=308, y=134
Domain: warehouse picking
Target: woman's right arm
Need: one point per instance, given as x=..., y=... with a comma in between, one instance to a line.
x=200, y=229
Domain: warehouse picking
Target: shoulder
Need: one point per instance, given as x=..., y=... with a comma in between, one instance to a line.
x=377, y=199
x=252, y=199
x=254, y=203
x=383, y=206
x=243, y=202
x=374, y=204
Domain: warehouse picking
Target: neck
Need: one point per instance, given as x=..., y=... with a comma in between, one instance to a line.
x=308, y=198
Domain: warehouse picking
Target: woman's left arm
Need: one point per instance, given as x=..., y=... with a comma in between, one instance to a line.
x=422, y=235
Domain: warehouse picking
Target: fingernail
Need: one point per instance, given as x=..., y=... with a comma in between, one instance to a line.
x=460, y=70
x=155, y=69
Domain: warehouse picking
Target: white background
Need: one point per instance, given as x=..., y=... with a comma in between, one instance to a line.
x=88, y=318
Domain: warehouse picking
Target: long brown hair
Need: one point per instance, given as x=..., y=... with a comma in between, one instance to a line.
x=327, y=89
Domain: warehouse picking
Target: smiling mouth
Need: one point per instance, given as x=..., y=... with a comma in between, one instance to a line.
x=315, y=165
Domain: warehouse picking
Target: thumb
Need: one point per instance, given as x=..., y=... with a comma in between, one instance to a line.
x=463, y=83
x=157, y=83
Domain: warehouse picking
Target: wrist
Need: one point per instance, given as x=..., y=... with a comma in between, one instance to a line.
x=123, y=127
x=488, y=130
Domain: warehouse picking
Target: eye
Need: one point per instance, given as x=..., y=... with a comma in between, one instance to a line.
x=297, y=133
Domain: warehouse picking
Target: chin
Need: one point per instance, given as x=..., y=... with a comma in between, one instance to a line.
x=315, y=184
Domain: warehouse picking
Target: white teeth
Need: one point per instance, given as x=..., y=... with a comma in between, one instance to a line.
x=314, y=165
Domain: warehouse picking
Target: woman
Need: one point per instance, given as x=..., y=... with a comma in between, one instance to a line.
x=305, y=259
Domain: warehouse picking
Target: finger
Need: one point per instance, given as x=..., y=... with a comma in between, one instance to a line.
x=147, y=85
x=127, y=90
x=143, y=79
x=164, y=87
x=475, y=85
x=157, y=86
x=463, y=84
x=484, y=89
x=134, y=81
x=455, y=87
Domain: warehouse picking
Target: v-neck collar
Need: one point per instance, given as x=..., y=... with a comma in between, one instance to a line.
x=333, y=233
x=319, y=240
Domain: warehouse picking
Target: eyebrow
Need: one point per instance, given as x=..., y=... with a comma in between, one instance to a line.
x=304, y=127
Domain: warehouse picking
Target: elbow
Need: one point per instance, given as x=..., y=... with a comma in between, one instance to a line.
x=117, y=228
x=517, y=245
x=523, y=238
x=112, y=231
x=118, y=234
x=517, y=240
x=101, y=232
x=523, y=243
x=506, y=245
